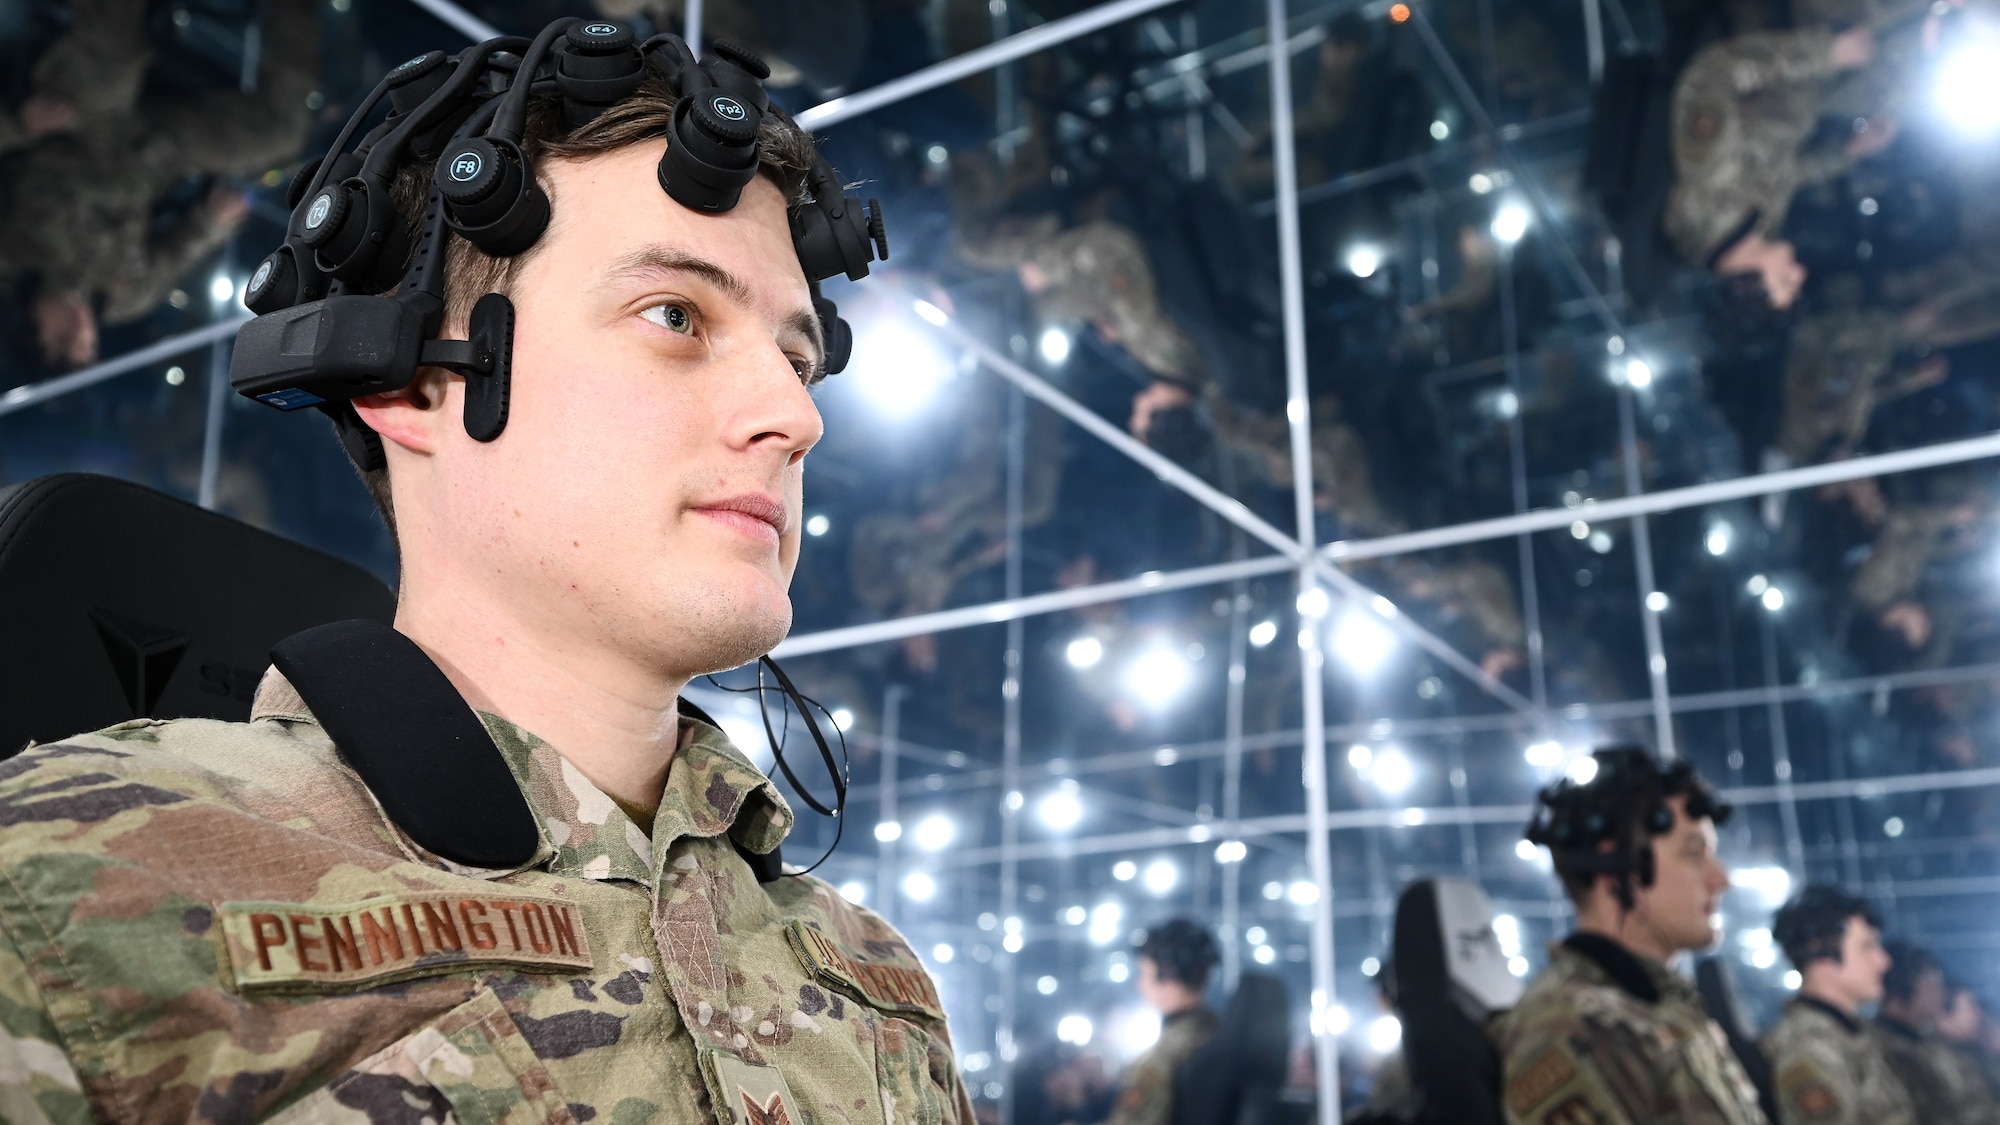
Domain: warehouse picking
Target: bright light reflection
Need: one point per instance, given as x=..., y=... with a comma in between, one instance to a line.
x=1510, y=222
x=889, y=831
x=1158, y=675
x=854, y=892
x=843, y=719
x=897, y=366
x=1137, y=1031
x=1074, y=1029
x=1263, y=633
x=1106, y=922
x=1084, y=652
x=1336, y=1020
x=1124, y=870
x=1313, y=603
x=1719, y=537
x=1264, y=954
x=1966, y=90
x=1792, y=980
x=1392, y=772
x=1546, y=754
x=935, y=832
x=1385, y=1034
x=1773, y=883
x=1526, y=852
x=1639, y=373
x=1060, y=810
x=942, y=953
x=1518, y=966
x=1359, y=756
x=1774, y=599
x=919, y=886
x=1231, y=851
x=1161, y=876
x=221, y=288
x=1054, y=345
x=1302, y=893
x=1656, y=601
x=1047, y=986
x=1364, y=260
x=929, y=312
x=1362, y=642
x=1581, y=769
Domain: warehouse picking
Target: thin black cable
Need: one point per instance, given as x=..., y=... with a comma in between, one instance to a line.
x=839, y=772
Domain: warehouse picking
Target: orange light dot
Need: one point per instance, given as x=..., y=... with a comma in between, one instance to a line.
x=1400, y=13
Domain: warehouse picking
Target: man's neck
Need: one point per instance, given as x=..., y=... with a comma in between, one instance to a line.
x=617, y=725
x=1625, y=929
x=1818, y=990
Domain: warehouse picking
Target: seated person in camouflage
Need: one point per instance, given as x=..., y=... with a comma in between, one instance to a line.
x=1913, y=1001
x=1829, y=1069
x=1608, y=1034
x=209, y=921
x=1174, y=962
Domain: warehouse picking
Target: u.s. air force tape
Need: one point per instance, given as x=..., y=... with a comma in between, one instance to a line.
x=315, y=947
x=887, y=985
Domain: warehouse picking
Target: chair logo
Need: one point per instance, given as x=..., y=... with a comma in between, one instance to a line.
x=143, y=656
x=600, y=29
x=465, y=166
x=322, y=203
x=730, y=108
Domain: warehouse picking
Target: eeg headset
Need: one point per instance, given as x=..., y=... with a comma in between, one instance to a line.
x=352, y=302
x=1624, y=805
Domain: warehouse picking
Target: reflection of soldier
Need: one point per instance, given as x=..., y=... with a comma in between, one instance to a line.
x=1829, y=1069
x=1960, y=1028
x=1913, y=998
x=1743, y=112
x=1607, y=1033
x=89, y=72
x=1174, y=962
x=1842, y=364
x=80, y=205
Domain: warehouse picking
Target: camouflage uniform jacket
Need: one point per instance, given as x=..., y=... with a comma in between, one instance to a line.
x=1742, y=113
x=1940, y=1089
x=216, y=922
x=1607, y=1037
x=1830, y=1071
x=1146, y=1091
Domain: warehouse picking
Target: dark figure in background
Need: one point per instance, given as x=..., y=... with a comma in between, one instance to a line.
x=1174, y=962
x=1607, y=1033
x=1913, y=1000
x=1829, y=1068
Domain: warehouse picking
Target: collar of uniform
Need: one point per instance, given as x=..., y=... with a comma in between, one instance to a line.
x=1641, y=977
x=1894, y=1026
x=1852, y=1024
x=713, y=789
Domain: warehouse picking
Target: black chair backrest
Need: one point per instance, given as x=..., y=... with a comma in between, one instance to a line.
x=1235, y=1077
x=1717, y=986
x=1450, y=976
x=118, y=602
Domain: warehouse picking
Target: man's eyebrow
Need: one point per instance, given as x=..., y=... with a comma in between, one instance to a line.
x=651, y=260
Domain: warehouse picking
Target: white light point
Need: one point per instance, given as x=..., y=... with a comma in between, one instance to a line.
x=1047, y=986
x=1364, y=260
x=1546, y=754
x=1507, y=928
x=889, y=831
x=1385, y=1034
x=1137, y=1032
x=1263, y=633
x=1518, y=966
x=1012, y=943
x=1392, y=772
x=1231, y=851
x=1084, y=652
x=1773, y=599
x=1302, y=893
x=1440, y=131
x=1313, y=603
x=899, y=366
x=1074, y=1029
x=843, y=719
x=935, y=832
x=1757, y=585
x=1161, y=876
x=1074, y=916
x=221, y=288
x=1966, y=89
x=1657, y=602
x=1772, y=883
x=854, y=892
x=1360, y=757
x=919, y=887
x=1511, y=221
x=1255, y=935
x=1264, y=954
x=1061, y=810
x=1370, y=966
x=1107, y=920
x=1582, y=769
x=1526, y=852
x=1274, y=891
x=1793, y=980
x=1336, y=1020
x=1124, y=870
x=817, y=526
x=1119, y=973
x=1764, y=958
x=931, y=313
x=1362, y=642
x=1718, y=539
x=1639, y=373
x=1054, y=345
x=1892, y=827
x=942, y=953
x=1158, y=675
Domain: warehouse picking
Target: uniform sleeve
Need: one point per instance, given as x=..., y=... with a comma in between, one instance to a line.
x=1747, y=64
x=1553, y=1078
x=1146, y=1095
x=38, y=1086
x=156, y=268
x=1814, y=1089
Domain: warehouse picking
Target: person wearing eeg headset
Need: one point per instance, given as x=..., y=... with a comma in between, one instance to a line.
x=1608, y=1034
x=562, y=306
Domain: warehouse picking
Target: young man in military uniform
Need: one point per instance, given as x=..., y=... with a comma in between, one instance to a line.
x=1174, y=962
x=1829, y=1069
x=1608, y=1034
x=1913, y=1001
x=219, y=921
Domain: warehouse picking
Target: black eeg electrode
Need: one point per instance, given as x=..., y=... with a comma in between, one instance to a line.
x=329, y=328
x=1589, y=824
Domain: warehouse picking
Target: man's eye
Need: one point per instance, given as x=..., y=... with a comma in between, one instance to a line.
x=673, y=318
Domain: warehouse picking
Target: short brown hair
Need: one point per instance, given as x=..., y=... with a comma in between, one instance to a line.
x=786, y=156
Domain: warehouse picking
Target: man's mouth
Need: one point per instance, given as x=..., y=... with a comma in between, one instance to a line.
x=755, y=514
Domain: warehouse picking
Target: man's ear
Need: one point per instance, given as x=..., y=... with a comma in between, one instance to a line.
x=414, y=417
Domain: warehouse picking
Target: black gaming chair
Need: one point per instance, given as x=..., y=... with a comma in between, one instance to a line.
x=117, y=602
x=1718, y=994
x=1451, y=977
x=1236, y=1077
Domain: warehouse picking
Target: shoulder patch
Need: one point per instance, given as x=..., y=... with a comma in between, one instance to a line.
x=888, y=985
x=1541, y=1080
x=1575, y=1111
x=300, y=947
x=1801, y=1085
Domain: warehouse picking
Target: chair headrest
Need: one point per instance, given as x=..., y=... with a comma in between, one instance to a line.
x=1445, y=939
x=118, y=602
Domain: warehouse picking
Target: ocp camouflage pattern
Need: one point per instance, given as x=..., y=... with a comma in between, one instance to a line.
x=1831, y=1071
x=216, y=922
